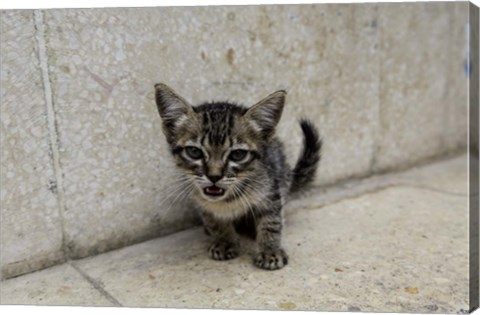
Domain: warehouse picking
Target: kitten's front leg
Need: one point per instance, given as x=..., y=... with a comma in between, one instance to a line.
x=226, y=243
x=271, y=255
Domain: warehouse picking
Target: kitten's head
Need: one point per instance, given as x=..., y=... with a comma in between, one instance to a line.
x=218, y=145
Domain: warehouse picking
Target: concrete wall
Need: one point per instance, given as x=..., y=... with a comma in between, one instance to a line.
x=84, y=164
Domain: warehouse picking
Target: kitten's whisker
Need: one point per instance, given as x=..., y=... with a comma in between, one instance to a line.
x=186, y=192
x=183, y=192
x=251, y=192
x=174, y=190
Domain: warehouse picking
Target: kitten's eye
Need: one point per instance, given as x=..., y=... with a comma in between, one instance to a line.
x=194, y=153
x=238, y=155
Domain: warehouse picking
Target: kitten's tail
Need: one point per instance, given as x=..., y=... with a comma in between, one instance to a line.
x=304, y=171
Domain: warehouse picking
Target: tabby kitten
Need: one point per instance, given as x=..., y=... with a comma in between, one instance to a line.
x=236, y=168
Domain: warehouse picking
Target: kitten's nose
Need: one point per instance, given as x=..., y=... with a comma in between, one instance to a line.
x=214, y=178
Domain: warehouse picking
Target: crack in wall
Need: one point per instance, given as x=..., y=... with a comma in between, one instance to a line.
x=51, y=120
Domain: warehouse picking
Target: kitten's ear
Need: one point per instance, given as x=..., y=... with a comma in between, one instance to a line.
x=170, y=105
x=172, y=108
x=265, y=115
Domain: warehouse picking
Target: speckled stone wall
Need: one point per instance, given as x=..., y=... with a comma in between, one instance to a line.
x=385, y=83
x=31, y=225
x=423, y=91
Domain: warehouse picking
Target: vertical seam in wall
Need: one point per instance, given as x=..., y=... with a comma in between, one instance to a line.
x=447, y=95
x=378, y=129
x=51, y=120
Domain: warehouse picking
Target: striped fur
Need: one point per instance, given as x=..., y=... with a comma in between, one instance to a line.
x=235, y=170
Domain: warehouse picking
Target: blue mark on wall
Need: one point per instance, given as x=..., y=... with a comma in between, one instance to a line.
x=467, y=63
x=467, y=68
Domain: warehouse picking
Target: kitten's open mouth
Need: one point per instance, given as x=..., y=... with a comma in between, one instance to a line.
x=214, y=191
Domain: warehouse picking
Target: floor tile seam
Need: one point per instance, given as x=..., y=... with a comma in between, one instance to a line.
x=346, y=197
x=433, y=189
x=98, y=286
x=367, y=191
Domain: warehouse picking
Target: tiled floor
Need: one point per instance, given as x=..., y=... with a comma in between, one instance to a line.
x=391, y=243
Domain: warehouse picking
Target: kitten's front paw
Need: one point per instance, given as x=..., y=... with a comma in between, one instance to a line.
x=271, y=259
x=222, y=250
